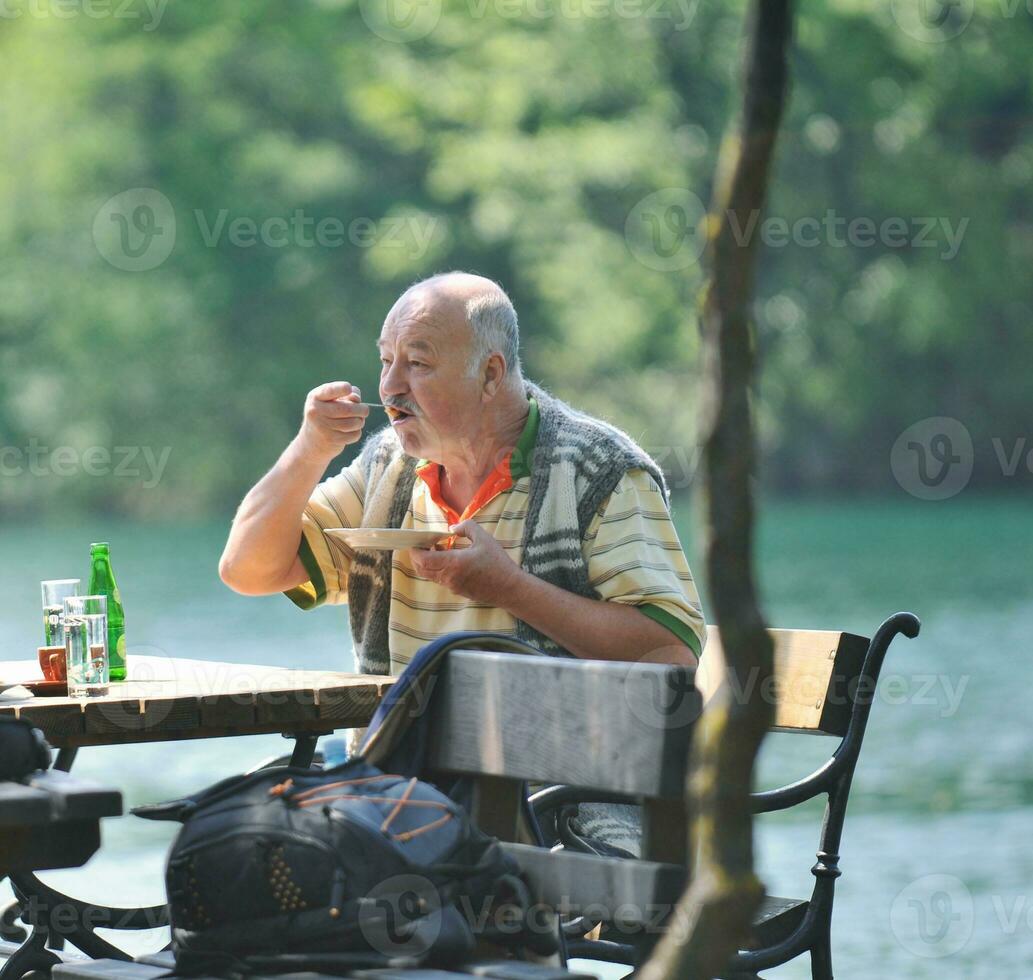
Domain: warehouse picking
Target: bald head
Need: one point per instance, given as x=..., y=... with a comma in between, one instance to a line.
x=450, y=371
x=479, y=303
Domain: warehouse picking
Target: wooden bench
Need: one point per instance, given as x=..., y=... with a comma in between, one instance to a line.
x=825, y=685
x=52, y=820
x=48, y=820
x=621, y=733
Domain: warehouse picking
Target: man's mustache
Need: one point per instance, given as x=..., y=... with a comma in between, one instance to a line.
x=404, y=404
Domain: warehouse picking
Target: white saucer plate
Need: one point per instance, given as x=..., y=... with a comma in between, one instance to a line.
x=385, y=538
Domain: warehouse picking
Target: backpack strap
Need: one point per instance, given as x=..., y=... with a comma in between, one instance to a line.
x=398, y=736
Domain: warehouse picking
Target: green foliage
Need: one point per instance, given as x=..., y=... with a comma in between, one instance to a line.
x=515, y=139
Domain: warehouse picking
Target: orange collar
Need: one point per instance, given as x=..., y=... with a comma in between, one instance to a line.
x=497, y=481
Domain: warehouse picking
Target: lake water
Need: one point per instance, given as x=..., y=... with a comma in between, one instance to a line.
x=938, y=874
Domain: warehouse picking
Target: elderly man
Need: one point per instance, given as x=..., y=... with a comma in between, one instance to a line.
x=571, y=545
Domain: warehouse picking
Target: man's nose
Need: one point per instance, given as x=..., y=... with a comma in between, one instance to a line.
x=392, y=380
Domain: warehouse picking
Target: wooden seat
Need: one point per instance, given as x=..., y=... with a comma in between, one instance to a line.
x=498, y=969
x=515, y=970
x=155, y=965
x=106, y=970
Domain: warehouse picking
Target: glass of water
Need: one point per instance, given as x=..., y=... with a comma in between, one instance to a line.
x=86, y=645
x=55, y=591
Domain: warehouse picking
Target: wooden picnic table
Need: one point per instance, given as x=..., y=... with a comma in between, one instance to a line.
x=172, y=699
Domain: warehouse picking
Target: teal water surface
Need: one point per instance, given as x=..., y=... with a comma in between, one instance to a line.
x=937, y=874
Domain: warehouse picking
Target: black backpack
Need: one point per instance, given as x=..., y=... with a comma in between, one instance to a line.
x=331, y=870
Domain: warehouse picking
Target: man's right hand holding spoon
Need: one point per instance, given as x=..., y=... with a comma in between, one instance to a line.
x=333, y=419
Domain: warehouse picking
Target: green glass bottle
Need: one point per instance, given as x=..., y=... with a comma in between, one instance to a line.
x=102, y=582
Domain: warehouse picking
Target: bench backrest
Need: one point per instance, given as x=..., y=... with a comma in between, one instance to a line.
x=814, y=683
x=592, y=723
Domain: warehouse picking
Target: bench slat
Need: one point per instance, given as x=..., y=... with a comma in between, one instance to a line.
x=417, y=973
x=639, y=892
x=106, y=970
x=136, y=970
x=815, y=675
x=621, y=727
x=67, y=844
x=78, y=799
x=20, y=804
x=518, y=970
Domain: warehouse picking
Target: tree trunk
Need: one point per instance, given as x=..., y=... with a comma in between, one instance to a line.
x=714, y=914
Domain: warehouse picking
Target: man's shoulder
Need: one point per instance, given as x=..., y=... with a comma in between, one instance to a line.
x=638, y=481
x=588, y=441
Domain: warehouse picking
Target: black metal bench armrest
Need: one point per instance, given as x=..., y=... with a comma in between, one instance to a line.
x=558, y=795
x=841, y=762
x=844, y=758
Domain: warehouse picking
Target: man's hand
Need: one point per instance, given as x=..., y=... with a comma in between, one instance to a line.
x=589, y=628
x=333, y=419
x=481, y=571
x=261, y=554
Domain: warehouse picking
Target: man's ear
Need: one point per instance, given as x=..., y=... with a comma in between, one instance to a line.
x=494, y=374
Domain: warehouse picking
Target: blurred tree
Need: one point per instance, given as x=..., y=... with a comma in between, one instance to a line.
x=314, y=168
x=719, y=903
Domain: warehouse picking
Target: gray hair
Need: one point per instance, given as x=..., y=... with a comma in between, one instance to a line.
x=493, y=323
x=492, y=320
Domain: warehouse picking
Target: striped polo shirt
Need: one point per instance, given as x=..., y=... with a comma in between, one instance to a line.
x=631, y=549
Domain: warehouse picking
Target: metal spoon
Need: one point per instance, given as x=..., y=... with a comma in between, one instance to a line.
x=367, y=404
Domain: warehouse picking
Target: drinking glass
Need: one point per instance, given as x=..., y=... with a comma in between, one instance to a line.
x=86, y=645
x=55, y=591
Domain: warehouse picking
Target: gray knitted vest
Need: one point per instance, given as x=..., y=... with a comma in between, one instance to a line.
x=576, y=464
